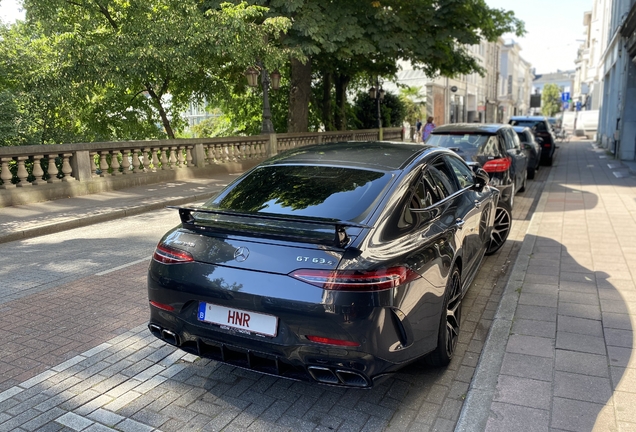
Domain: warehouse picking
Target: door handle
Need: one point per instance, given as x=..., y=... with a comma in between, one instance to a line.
x=459, y=223
x=477, y=204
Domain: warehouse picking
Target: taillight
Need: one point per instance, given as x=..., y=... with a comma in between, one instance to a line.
x=354, y=280
x=548, y=145
x=497, y=165
x=329, y=341
x=162, y=306
x=168, y=255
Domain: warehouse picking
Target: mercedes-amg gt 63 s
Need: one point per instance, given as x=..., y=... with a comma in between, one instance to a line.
x=336, y=263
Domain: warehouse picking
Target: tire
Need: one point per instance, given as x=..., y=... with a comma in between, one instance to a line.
x=501, y=228
x=450, y=322
x=525, y=181
x=531, y=172
x=548, y=161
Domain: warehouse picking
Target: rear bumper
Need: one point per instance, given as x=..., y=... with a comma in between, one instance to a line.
x=386, y=341
x=325, y=365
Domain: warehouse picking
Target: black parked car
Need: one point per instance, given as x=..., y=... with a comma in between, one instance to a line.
x=495, y=147
x=542, y=130
x=530, y=147
x=337, y=263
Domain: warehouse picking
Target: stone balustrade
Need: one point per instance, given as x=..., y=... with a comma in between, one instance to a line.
x=76, y=169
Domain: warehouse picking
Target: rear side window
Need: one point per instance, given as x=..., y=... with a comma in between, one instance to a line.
x=309, y=191
x=442, y=178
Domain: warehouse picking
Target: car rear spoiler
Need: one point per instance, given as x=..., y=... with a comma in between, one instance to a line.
x=340, y=238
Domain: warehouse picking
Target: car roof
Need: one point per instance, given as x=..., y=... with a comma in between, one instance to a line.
x=378, y=155
x=522, y=129
x=487, y=128
x=533, y=118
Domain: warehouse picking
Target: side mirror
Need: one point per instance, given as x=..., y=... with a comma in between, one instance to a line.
x=527, y=146
x=481, y=177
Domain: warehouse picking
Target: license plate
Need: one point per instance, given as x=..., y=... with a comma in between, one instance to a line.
x=246, y=321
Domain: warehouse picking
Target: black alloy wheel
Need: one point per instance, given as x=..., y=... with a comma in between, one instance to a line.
x=501, y=228
x=448, y=334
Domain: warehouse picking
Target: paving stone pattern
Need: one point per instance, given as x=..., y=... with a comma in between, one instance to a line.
x=567, y=362
x=69, y=365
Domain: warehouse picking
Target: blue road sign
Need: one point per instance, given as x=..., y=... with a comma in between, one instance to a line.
x=578, y=105
x=565, y=96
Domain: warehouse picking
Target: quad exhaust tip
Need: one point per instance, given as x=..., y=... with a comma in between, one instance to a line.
x=339, y=377
x=171, y=337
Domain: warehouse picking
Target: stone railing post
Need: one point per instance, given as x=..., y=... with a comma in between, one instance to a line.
x=125, y=162
x=198, y=156
x=82, y=165
x=6, y=175
x=165, y=152
x=135, y=160
x=272, y=147
x=180, y=159
x=103, y=163
x=155, y=158
x=38, y=172
x=92, y=162
x=148, y=158
x=22, y=172
x=189, y=157
x=67, y=171
x=52, y=170
x=114, y=162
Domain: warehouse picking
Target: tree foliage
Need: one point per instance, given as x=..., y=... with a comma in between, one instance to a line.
x=129, y=68
x=392, y=111
x=550, y=100
x=343, y=40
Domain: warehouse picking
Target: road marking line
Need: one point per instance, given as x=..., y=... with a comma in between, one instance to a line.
x=105, y=272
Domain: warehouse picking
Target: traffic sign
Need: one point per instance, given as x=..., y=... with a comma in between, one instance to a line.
x=578, y=105
x=565, y=97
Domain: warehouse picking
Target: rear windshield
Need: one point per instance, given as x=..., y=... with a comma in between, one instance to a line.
x=467, y=145
x=536, y=125
x=308, y=191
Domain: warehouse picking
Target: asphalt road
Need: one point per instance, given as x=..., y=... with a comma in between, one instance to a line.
x=73, y=317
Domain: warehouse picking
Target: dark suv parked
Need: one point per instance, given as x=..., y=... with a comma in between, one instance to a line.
x=496, y=147
x=542, y=130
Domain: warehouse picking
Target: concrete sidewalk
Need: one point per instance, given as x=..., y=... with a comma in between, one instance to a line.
x=559, y=353
x=32, y=220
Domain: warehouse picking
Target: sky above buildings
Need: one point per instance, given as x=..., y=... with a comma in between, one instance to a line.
x=554, y=30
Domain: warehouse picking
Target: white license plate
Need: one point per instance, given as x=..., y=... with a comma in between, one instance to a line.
x=238, y=319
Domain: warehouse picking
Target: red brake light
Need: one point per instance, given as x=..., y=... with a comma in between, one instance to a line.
x=168, y=255
x=162, y=306
x=497, y=165
x=355, y=280
x=329, y=341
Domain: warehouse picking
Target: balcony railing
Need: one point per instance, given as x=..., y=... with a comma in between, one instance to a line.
x=37, y=166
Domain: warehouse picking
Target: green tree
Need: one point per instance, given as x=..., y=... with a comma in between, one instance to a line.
x=550, y=100
x=392, y=111
x=412, y=98
x=343, y=40
x=149, y=58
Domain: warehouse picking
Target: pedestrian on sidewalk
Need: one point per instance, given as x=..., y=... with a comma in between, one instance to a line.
x=418, y=128
x=428, y=128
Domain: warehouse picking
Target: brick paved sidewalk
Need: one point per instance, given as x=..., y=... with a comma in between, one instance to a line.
x=559, y=353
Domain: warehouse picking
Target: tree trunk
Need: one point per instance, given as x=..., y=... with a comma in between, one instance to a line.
x=327, y=112
x=162, y=112
x=342, y=82
x=299, y=93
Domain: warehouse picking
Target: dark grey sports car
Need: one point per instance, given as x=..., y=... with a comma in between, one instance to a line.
x=338, y=263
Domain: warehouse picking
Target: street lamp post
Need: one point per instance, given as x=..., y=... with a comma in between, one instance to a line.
x=267, y=80
x=377, y=93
